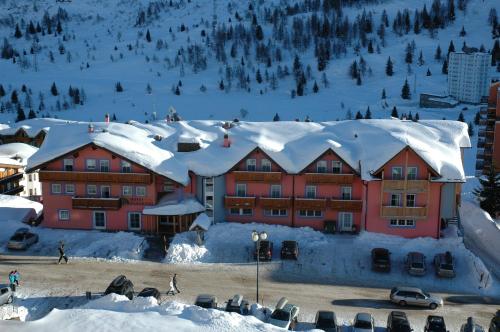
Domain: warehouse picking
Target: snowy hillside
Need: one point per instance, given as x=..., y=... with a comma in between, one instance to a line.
x=226, y=59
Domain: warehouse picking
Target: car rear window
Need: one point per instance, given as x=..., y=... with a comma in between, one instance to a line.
x=281, y=315
x=325, y=323
x=446, y=267
x=417, y=265
x=362, y=324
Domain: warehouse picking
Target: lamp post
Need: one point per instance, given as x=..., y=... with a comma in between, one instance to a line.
x=257, y=237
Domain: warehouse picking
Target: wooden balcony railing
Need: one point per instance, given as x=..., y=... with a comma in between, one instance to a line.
x=266, y=177
x=14, y=191
x=138, y=201
x=239, y=202
x=14, y=176
x=411, y=185
x=302, y=203
x=331, y=178
x=8, y=172
x=399, y=211
x=275, y=203
x=143, y=178
x=345, y=205
x=113, y=203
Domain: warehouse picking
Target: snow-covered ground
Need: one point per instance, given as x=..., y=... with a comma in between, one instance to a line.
x=339, y=258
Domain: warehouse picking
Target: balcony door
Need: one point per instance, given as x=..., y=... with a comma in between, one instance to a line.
x=345, y=220
x=99, y=219
x=105, y=191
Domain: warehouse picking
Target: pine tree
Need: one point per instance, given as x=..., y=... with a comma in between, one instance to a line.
x=388, y=67
x=31, y=114
x=477, y=118
x=221, y=85
x=368, y=114
x=358, y=116
x=353, y=69
x=2, y=91
x=421, y=59
x=394, y=112
x=451, y=10
x=410, y=116
x=444, y=69
x=470, y=129
x=405, y=91
x=315, y=87
x=370, y=47
x=148, y=36
x=177, y=91
x=437, y=56
x=416, y=118
x=276, y=117
x=489, y=192
x=428, y=72
x=114, y=117
x=20, y=113
x=462, y=32
x=358, y=80
x=259, y=34
x=59, y=27
x=118, y=87
x=409, y=55
x=384, y=96
x=258, y=76
x=13, y=97
x=53, y=89
x=461, y=117
x=18, y=34
x=149, y=90
x=451, y=47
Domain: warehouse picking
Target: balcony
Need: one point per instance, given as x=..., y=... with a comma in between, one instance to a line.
x=138, y=201
x=330, y=178
x=11, y=177
x=399, y=211
x=266, y=177
x=112, y=203
x=302, y=203
x=239, y=202
x=411, y=185
x=142, y=178
x=14, y=191
x=275, y=203
x=345, y=205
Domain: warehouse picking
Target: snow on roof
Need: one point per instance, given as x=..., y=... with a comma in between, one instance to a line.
x=32, y=126
x=365, y=145
x=15, y=208
x=17, y=152
x=174, y=205
x=202, y=221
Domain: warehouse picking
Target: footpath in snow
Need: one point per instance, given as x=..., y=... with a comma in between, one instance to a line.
x=341, y=259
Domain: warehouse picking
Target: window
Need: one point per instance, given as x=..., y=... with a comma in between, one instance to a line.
x=126, y=167
x=241, y=189
x=168, y=187
x=69, y=188
x=105, y=191
x=397, y=173
x=276, y=213
x=411, y=200
x=134, y=220
x=395, y=199
x=310, y=213
x=265, y=164
x=346, y=193
x=321, y=166
x=99, y=219
x=310, y=191
x=56, y=188
x=63, y=214
x=402, y=223
x=411, y=173
x=91, y=189
x=127, y=191
x=337, y=167
x=31, y=192
x=29, y=177
x=275, y=191
x=251, y=165
x=68, y=165
x=345, y=219
x=241, y=212
x=91, y=164
x=140, y=191
x=104, y=165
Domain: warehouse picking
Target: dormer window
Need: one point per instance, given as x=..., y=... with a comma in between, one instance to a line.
x=336, y=167
x=321, y=166
x=126, y=166
x=91, y=164
x=265, y=165
x=104, y=165
x=251, y=165
x=397, y=173
x=68, y=165
x=412, y=173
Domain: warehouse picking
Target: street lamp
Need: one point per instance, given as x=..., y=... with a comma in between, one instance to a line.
x=257, y=237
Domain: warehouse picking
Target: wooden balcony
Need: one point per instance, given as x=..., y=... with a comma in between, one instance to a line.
x=302, y=203
x=142, y=178
x=138, y=201
x=14, y=191
x=266, y=177
x=239, y=202
x=330, y=178
x=411, y=185
x=14, y=176
x=407, y=212
x=345, y=205
x=275, y=203
x=113, y=203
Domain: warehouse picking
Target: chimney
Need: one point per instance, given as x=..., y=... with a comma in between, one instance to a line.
x=90, y=128
x=106, y=118
x=227, y=142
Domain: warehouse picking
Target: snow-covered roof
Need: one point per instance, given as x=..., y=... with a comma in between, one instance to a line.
x=365, y=145
x=18, y=153
x=173, y=205
x=32, y=127
x=202, y=221
x=15, y=208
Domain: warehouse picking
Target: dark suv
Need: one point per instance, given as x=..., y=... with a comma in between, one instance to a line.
x=381, y=260
x=435, y=324
x=289, y=250
x=495, y=323
x=398, y=322
x=122, y=286
x=265, y=252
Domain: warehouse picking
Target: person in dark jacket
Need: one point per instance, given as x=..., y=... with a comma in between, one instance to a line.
x=174, y=280
x=61, y=254
x=12, y=281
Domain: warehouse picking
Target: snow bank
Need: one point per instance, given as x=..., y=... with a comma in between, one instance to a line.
x=9, y=311
x=338, y=258
x=17, y=209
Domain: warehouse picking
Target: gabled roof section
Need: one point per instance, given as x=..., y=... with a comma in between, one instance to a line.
x=406, y=148
x=353, y=168
x=258, y=150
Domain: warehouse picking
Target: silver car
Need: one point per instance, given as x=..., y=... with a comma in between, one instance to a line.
x=285, y=315
x=414, y=296
x=22, y=239
x=415, y=263
x=6, y=295
x=444, y=265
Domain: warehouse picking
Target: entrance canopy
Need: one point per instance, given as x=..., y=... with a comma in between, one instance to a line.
x=171, y=205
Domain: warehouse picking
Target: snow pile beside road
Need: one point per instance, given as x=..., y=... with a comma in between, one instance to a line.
x=9, y=311
x=344, y=259
x=116, y=312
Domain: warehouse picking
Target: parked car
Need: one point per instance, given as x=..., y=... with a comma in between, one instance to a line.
x=326, y=321
x=363, y=322
x=122, y=286
x=285, y=315
x=495, y=323
x=22, y=239
x=290, y=250
x=265, y=252
x=381, y=260
x=471, y=326
x=435, y=324
x=444, y=265
x=414, y=296
x=238, y=304
x=415, y=263
x=6, y=295
x=398, y=322
x=206, y=301
x=147, y=292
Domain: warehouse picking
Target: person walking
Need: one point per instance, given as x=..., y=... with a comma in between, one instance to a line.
x=12, y=281
x=61, y=254
x=17, y=276
x=174, y=281
x=171, y=291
